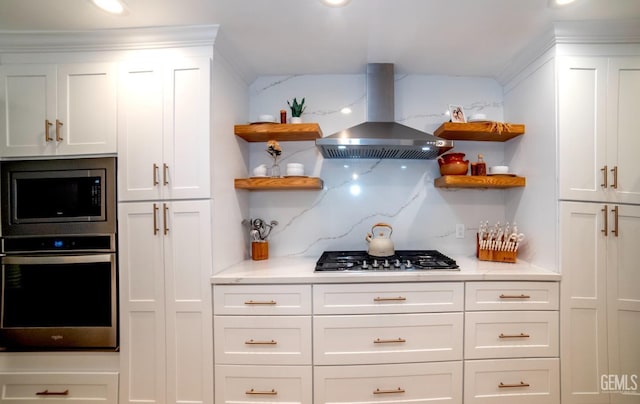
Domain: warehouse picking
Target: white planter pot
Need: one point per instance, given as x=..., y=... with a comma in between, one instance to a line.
x=296, y=119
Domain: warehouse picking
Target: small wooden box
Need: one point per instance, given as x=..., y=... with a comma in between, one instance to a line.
x=259, y=250
x=498, y=256
x=495, y=255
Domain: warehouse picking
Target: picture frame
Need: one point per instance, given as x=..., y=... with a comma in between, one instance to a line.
x=456, y=113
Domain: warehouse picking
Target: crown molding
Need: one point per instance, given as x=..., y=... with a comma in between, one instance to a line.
x=107, y=39
x=572, y=33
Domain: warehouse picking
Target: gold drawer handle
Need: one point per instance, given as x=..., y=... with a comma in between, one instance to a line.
x=52, y=393
x=390, y=299
x=521, y=335
x=270, y=302
x=515, y=296
x=252, y=342
x=396, y=391
x=388, y=341
x=271, y=392
x=521, y=384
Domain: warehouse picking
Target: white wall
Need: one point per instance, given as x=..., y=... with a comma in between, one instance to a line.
x=399, y=192
x=531, y=98
x=229, y=156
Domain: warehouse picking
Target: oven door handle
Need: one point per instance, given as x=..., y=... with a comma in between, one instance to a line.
x=56, y=259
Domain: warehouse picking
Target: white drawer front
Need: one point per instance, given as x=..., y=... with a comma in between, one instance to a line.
x=274, y=340
x=260, y=384
x=431, y=383
x=511, y=334
x=53, y=388
x=392, y=338
x=262, y=299
x=508, y=381
x=388, y=298
x=512, y=296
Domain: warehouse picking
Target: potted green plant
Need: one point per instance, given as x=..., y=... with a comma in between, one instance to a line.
x=296, y=110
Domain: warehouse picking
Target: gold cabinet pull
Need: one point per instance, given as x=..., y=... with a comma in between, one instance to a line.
x=165, y=174
x=605, y=175
x=254, y=342
x=606, y=220
x=271, y=392
x=155, y=174
x=395, y=391
x=257, y=303
x=521, y=335
x=165, y=224
x=615, y=220
x=521, y=296
x=155, y=219
x=390, y=299
x=521, y=384
x=52, y=393
x=47, y=124
x=58, y=126
x=614, y=170
x=389, y=341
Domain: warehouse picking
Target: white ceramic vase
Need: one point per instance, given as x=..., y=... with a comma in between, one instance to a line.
x=296, y=119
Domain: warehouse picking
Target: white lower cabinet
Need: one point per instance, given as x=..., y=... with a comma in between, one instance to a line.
x=436, y=382
x=260, y=384
x=56, y=388
x=506, y=381
x=388, y=342
x=511, y=353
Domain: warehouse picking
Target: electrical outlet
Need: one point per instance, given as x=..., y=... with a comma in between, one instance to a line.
x=459, y=230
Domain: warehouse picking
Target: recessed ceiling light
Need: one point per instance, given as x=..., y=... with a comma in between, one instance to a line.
x=335, y=3
x=111, y=6
x=560, y=3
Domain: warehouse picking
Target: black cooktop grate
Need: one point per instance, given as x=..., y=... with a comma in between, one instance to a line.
x=402, y=260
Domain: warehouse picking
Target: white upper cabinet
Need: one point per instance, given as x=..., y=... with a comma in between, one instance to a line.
x=598, y=129
x=163, y=130
x=64, y=109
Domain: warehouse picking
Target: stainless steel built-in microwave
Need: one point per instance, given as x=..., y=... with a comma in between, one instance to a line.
x=58, y=196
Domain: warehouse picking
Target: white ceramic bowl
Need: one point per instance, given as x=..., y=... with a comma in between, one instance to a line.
x=499, y=170
x=295, y=169
x=265, y=118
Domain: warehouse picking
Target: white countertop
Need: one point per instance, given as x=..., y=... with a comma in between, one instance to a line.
x=292, y=270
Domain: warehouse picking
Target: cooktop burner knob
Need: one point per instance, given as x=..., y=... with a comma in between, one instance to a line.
x=364, y=264
x=397, y=264
x=409, y=265
x=375, y=264
x=386, y=264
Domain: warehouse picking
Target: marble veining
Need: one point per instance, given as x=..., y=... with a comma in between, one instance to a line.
x=359, y=193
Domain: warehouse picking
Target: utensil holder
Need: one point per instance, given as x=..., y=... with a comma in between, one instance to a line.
x=495, y=255
x=259, y=250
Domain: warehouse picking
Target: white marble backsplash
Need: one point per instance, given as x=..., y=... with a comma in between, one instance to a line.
x=360, y=193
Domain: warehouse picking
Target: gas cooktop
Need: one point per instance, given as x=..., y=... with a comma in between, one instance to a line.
x=407, y=260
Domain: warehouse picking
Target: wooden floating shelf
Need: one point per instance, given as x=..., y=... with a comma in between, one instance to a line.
x=478, y=131
x=479, y=181
x=263, y=132
x=278, y=184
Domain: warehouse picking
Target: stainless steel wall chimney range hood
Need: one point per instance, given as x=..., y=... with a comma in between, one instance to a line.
x=380, y=137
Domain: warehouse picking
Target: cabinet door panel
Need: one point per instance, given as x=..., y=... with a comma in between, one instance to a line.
x=142, y=321
x=27, y=99
x=186, y=130
x=260, y=384
x=583, y=302
x=623, y=300
x=87, y=108
x=623, y=132
x=582, y=128
x=186, y=230
x=140, y=126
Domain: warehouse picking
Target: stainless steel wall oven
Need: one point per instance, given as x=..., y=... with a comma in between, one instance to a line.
x=59, y=255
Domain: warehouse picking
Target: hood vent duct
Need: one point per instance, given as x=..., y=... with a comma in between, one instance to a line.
x=380, y=137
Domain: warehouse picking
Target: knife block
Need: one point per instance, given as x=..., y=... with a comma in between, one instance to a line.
x=259, y=250
x=495, y=255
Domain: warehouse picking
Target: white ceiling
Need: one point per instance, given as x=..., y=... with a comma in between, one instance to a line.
x=456, y=37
